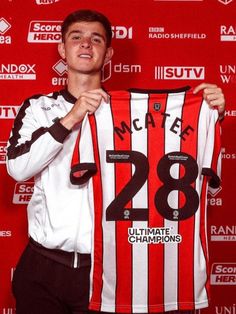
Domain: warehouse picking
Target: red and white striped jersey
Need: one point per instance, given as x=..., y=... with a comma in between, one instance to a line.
x=151, y=155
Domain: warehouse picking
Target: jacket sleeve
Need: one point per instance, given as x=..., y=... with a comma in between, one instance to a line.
x=32, y=147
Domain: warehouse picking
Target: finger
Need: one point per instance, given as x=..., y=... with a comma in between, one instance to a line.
x=203, y=86
x=100, y=92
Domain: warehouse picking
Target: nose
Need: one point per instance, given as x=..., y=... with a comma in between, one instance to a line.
x=86, y=43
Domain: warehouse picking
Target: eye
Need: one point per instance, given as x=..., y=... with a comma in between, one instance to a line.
x=97, y=40
x=76, y=37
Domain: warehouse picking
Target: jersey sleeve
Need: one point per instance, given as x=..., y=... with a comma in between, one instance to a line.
x=212, y=152
x=83, y=165
x=31, y=147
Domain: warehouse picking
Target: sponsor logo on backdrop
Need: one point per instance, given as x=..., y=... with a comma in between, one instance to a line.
x=212, y=199
x=13, y=71
x=228, y=33
x=228, y=73
x=110, y=68
x=122, y=32
x=5, y=233
x=39, y=2
x=225, y=2
x=3, y=152
x=61, y=70
x=23, y=192
x=8, y=112
x=223, y=274
x=44, y=32
x=224, y=233
x=4, y=27
x=225, y=309
x=227, y=155
x=159, y=32
x=179, y=72
x=230, y=113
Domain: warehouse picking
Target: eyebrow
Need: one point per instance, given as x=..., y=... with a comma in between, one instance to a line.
x=93, y=33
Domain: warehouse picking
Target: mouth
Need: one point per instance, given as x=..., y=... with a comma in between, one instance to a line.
x=85, y=56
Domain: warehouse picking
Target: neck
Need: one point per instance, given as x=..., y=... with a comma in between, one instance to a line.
x=78, y=84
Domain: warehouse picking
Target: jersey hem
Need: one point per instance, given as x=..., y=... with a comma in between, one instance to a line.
x=151, y=308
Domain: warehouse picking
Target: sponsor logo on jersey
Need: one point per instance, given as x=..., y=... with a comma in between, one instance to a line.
x=122, y=32
x=4, y=27
x=225, y=309
x=228, y=74
x=223, y=274
x=223, y=233
x=225, y=2
x=179, y=72
x=44, y=32
x=110, y=68
x=39, y=2
x=8, y=112
x=17, y=71
x=228, y=33
x=23, y=192
x=61, y=70
x=5, y=233
x=158, y=32
x=3, y=152
x=153, y=235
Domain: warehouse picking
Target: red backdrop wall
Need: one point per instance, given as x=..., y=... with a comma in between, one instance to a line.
x=158, y=44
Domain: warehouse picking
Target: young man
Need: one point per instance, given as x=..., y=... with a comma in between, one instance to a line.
x=52, y=275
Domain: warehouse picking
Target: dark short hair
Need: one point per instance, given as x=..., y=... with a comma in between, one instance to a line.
x=87, y=16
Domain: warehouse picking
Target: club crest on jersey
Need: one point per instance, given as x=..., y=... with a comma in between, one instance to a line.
x=157, y=106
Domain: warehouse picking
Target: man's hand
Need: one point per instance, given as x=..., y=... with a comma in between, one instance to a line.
x=213, y=96
x=88, y=102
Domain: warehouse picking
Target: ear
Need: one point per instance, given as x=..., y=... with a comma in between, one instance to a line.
x=61, y=50
x=109, y=54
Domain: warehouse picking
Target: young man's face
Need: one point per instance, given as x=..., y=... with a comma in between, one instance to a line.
x=85, y=48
